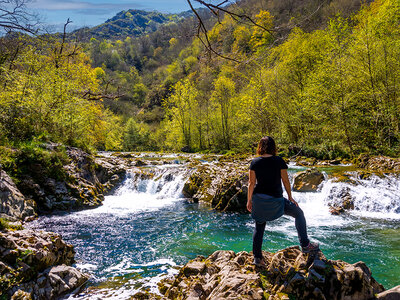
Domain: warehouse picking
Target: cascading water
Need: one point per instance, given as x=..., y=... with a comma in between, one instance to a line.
x=141, y=192
x=145, y=229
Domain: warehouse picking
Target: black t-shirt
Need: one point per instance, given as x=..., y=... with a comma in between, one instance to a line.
x=268, y=174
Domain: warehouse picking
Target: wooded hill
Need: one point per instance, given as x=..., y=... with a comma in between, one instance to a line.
x=321, y=76
x=131, y=23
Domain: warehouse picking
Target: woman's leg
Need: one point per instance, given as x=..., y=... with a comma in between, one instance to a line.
x=294, y=211
x=257, y=239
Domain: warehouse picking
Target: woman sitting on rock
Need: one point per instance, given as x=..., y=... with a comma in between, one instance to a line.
x=265, y=200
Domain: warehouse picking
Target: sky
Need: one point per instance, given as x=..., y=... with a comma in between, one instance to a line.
x=92, y=12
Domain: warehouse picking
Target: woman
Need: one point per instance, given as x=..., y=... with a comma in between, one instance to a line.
x=265, y=200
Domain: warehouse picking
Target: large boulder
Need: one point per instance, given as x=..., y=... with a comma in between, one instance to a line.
x=221, y=185
x=14, y=205
x=38, y=264
x=231, y=195
x=288, y=274
x=307, y=181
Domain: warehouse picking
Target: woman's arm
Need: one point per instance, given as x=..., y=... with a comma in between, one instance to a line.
x=252, y=184
x=286, y=184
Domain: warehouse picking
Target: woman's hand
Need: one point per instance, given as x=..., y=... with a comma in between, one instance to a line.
x=293, y=201
x=249, y=206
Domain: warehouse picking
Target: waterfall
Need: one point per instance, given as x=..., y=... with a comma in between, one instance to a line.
x=375, y=197
x=145, y=191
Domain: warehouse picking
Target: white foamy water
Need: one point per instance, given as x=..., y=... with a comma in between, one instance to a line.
x=164, y=268
x=143, y=194
x=374, y=198
x=377, y=198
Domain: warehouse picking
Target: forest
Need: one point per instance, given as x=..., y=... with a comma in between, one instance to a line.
x=322, y=78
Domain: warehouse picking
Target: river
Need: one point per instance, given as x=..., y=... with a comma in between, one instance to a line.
x=145, y=230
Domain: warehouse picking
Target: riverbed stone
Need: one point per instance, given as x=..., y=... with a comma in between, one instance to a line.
x=340, y=200
x=307, y=181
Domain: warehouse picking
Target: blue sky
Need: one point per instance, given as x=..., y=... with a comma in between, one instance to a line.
x=92, y=12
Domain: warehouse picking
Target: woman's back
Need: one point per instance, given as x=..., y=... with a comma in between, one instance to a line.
x=268, y=175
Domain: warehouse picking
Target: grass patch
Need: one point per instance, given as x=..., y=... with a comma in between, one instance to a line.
x=5, y=225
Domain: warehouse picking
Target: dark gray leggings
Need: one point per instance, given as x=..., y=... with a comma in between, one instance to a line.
x=291, y=210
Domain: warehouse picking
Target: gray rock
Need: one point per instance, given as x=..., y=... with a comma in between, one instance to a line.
x=318, y=265
x=13, y=205
x=21, y=295
x=40, y=260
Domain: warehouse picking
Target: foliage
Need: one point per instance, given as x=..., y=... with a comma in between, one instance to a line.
x=45, y=91
x=332, y=91
x=36, y=159
x=4, y=224
x=312, y=75
x=136, y=137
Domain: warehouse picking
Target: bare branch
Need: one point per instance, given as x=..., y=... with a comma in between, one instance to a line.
x=238, y=17
x=89, y=95
x=14, y=16
x=203, y=29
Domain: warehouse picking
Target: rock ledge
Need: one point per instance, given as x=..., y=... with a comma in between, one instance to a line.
x=289, y=274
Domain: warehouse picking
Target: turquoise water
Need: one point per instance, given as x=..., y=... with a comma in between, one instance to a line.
x=145, y=231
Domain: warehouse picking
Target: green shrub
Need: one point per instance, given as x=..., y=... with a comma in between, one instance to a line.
x=33, y=159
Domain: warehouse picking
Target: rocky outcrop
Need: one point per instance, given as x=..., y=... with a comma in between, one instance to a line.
x=289, y=274
x=52, y=283
x=312, y=161
x=37, y=264
x=14, y=205
x=83, y=183
x=307, y=181
x=222, y=185
x=378, y=163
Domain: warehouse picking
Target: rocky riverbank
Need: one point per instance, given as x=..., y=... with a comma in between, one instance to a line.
x=78, y=182
x=36, y=265
x=288, y=274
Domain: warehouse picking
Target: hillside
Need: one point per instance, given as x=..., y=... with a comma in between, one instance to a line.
x=281, y=68
x=128, y=23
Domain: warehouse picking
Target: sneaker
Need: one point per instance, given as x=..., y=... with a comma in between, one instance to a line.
x=259, y=262
x=310, y=248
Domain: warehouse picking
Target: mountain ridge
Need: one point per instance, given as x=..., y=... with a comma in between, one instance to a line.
x=131, y=22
